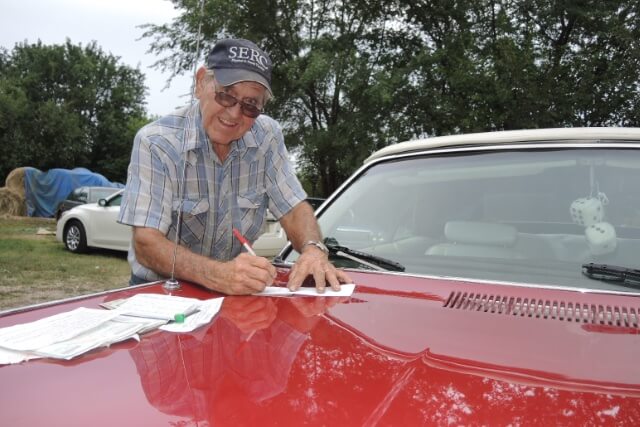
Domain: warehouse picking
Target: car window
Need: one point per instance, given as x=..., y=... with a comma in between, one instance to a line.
x=116, y=200
x=527, y=216
x=101, y=193
x=80, y=194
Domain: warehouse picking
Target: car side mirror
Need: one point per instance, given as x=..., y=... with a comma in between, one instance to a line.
x=102, y=202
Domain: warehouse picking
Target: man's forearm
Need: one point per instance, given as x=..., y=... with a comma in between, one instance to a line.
x=245, y=274
x=301, y=225
x=156, y=252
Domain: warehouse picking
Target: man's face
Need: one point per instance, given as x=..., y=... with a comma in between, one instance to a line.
x=226, y=124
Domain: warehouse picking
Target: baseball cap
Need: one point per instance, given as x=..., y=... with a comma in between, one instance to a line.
x=240, y=60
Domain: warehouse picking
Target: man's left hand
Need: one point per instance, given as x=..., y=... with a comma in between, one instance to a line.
x=314, y=262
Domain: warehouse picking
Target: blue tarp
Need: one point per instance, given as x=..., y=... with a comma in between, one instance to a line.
x=44, y=191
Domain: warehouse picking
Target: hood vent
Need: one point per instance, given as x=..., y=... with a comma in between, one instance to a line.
x=545, y=309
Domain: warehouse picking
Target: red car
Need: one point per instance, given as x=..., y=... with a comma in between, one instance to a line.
x=497, y=283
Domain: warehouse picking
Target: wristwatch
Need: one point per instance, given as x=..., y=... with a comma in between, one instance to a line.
x=317, y=244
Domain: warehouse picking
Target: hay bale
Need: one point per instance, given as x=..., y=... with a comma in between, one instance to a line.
x=11, y=203
x=15, y=181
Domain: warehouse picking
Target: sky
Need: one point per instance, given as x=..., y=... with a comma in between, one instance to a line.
x=112, y=24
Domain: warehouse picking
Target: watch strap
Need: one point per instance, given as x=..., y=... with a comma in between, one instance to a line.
x=317, y=244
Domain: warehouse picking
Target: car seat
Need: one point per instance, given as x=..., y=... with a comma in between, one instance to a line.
x=477, y=239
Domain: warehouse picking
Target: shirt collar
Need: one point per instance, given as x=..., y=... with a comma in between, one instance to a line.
x=195, y=137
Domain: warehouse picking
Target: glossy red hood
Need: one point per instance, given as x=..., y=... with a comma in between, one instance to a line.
x=400, y=351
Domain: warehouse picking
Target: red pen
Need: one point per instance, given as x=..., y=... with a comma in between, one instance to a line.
x=245, y=242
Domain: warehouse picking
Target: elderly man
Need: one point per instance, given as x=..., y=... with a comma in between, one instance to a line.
x=222, y=163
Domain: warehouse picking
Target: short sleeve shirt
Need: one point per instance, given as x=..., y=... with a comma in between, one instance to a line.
x=216, y=196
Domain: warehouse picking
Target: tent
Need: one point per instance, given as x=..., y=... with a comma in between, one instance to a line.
x=45, y=190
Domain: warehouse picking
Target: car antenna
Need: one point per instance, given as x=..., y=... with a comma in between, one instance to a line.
x=172, y=284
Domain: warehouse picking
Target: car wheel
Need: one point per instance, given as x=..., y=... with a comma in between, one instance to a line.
x=75, y=238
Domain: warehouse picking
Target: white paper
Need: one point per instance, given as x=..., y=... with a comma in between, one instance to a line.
x=70, y=334
x=8, y=357
x=207, y=309
x=278, y=291
x=146, y=325
x=53, y=329
x=105, y=335
x=67, y=335
x=156, y=306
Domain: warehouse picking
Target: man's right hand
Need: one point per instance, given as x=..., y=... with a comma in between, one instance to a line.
x=246, y=274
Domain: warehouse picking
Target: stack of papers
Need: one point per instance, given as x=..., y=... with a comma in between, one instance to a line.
x=65, y=335
x=70, y=334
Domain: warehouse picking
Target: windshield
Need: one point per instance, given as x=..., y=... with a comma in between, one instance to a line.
x=530, y=216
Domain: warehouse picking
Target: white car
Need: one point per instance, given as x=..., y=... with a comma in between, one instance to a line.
x=271, y=242
x=94, y=225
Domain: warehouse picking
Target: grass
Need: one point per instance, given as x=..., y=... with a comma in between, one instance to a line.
x=36, y=268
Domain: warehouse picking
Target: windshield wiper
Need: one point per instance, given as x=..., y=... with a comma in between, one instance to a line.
x=372, y=261
x=612, y=273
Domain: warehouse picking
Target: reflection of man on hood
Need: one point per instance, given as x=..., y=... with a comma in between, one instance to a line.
x=220, y=369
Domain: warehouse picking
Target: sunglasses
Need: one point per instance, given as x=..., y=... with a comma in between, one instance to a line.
x=227, y=100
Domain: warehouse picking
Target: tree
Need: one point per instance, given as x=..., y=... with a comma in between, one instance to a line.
x=352, y=77
x=325, y=86
x=66, y=106
x=525, y=64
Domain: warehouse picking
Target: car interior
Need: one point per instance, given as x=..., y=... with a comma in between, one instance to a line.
x=490, y=209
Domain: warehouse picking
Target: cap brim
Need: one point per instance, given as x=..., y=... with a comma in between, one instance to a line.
x=228, y=77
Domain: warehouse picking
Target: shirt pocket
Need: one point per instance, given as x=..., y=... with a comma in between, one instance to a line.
x=250, y=200
x=252, y=207
x=195, y=214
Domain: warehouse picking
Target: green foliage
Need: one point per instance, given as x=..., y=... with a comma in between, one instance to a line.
x=352, y=77
x=65, y=106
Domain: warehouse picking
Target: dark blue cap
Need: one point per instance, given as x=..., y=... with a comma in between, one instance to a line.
x=240, y=60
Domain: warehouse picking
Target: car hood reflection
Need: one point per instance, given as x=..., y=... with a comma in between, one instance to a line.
x=317, y=360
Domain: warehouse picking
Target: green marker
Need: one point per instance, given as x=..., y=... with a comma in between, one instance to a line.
x=179, y=318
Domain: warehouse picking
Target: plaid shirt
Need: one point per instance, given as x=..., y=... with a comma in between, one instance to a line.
x=216, y=196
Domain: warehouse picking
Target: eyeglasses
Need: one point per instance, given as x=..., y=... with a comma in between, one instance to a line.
x=227, y=100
